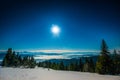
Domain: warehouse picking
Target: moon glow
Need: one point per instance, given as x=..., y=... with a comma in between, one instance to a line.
x=55, y=29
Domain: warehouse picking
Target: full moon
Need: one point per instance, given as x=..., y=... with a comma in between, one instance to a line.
x=55, y=29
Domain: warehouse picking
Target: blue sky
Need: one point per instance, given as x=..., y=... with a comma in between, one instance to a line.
x=27, y=24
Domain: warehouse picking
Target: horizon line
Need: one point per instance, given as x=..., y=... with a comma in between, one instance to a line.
x=55, y=50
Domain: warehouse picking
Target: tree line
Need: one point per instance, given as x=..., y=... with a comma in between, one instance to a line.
x=88, y=66
x=12, y=59
x=106, y=63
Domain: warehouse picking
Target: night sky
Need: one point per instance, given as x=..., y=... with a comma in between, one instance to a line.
x=26, y=24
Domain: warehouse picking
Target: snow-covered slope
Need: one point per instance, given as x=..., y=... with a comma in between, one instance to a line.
x=45, y=74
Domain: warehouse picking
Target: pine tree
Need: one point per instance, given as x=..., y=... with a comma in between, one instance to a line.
x=20, y=60
x=116, y=63
x=80, y=65
x=4, y=62
x=61, y=65
x=13, y=59
x=86, y=65
x=40, y=64
x=32, y=62
x=76, y=66
x=91, y=66
x=25, y=62
x=103, y=65
x=7, y=61
x=71, y=67
x=54, y=66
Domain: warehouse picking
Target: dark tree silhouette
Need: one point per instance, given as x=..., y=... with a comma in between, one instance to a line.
x=80, y=65
x=12, y=59
x=103, y=65
x=116, y=63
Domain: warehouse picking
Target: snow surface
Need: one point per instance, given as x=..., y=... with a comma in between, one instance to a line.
x=45, y=74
